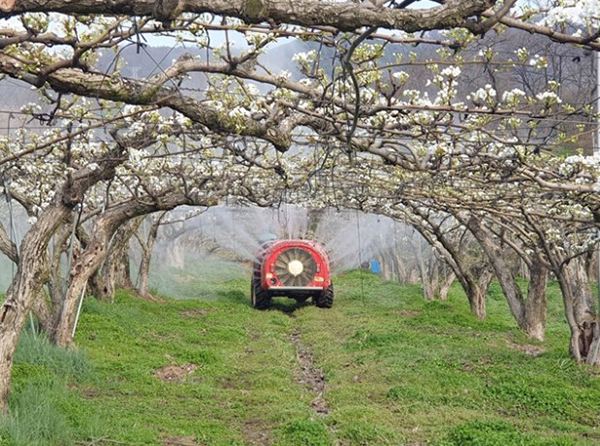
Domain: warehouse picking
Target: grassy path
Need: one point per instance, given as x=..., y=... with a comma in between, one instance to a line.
x=385, y=368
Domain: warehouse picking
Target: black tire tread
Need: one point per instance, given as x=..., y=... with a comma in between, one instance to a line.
x=262, y=299
x=325, y=299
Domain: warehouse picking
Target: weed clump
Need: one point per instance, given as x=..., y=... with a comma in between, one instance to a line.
x=42, y=409
x=35, y=417
x=71, y=364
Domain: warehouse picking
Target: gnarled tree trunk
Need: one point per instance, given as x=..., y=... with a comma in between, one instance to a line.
x=444, y=285
x=26, y=287
x=89, y=262
x=93, y=255
x=476, y=293
x=535, y=306
x=147, y=248
x=42, y=311
x=530, y=317
x=427, y=279
x=115, y=270
x=32, y=269
x=56, y=283
x=580, y=311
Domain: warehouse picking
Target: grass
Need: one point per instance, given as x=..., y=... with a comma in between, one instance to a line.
x=398, y=371
x=45, y=410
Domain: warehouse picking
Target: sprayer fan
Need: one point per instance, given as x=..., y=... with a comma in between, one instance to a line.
x=295, y=267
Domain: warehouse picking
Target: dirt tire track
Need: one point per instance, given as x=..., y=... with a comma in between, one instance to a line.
x=308, y=375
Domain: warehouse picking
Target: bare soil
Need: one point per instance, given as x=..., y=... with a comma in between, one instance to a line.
x=528, y=349
x=175, y=373
x=255, y=433
x=310, y=376
x=179, y=441
x=198, y=312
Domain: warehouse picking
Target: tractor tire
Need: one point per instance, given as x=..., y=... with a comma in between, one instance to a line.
x=325, y=299
x=260, y=298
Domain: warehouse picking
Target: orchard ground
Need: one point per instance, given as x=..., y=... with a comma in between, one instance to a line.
x=383, y=367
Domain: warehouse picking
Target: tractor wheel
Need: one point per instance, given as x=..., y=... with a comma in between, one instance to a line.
x=325, y=299
x=260, y=298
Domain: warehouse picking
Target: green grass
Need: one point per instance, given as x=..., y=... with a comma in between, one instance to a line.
x=398, y=371
x=45, y=410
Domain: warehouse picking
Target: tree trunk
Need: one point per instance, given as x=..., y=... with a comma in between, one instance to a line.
x=591, y=265
x=453, y=254
x=56, y=282
x=453, y=258
x=580, y=312
x=97, y=286
x=115, y=271
x=112, y=275
x=401, y=269
x=42, y=311
x=502, y=269
x=148, y=247
x=426, y=279
x=477, y=303
x=475, y=295
x=485, y=279
x=95, y=253
x=477, y=290
x=144, y=273
x=444, y=285
x=385, y=262
x=123, y=269
x=88, y=262
x=535, y=306
x=25, y=287
x=32, y=269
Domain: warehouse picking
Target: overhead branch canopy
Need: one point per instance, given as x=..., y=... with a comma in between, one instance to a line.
x=345, y=16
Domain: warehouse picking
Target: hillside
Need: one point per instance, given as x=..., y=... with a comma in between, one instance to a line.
x=382, y=367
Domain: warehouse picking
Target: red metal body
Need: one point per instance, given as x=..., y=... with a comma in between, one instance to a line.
x=268, y=256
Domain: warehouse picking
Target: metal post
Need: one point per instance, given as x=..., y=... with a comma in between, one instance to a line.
x=78, y=312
